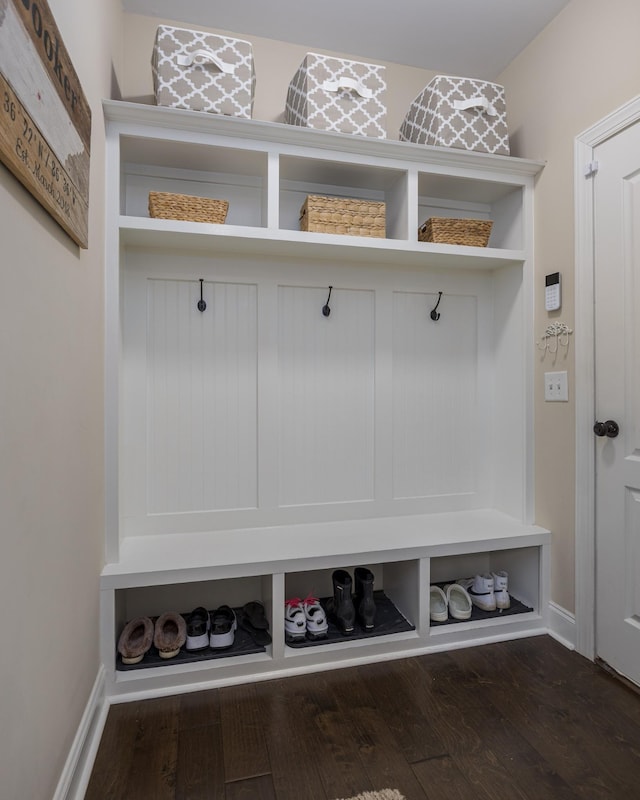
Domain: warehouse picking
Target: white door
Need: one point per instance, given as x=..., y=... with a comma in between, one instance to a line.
x=617, y=400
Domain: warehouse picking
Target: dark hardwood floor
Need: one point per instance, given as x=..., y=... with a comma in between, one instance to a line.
x=523, y=719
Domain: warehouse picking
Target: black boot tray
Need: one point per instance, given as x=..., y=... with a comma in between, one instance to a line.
x=387, y=620
x=243, y=644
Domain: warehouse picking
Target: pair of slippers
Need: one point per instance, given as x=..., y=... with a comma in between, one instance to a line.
x=453, y=600
x=168, y=634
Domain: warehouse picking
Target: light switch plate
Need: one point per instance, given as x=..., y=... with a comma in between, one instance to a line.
x=556, y=387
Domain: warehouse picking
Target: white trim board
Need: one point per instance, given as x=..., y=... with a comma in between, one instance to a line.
x=584, y=339
x=562, y=626
x=75, y=775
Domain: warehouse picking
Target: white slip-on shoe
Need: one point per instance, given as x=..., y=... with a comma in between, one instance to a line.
x=316, y=619
x=198, y=629
x=222, y=629
x=295, y=622
x=458, y=600
x=437, y=604
x=480, y=589
x=501, y=589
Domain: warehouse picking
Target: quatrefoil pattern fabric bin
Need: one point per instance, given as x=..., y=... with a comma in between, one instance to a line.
x=203, y=72
x=335, y=94
x=459, y=112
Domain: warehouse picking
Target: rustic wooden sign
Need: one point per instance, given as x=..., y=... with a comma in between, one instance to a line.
x=45, y=120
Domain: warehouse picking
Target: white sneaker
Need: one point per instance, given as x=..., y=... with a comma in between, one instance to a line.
x=437, y=604
x=295, y=623
x=458, y=601
x=316, y=619
x=481, y=591
x=501, y=589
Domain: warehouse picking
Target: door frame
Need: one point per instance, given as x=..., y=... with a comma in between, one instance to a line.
x=584, y=341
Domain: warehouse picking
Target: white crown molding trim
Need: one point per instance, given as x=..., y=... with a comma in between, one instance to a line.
x=77, y=769
x=562, y=626
x=585, y=544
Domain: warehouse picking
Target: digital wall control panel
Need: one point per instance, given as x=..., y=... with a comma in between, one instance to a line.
x=552, y=299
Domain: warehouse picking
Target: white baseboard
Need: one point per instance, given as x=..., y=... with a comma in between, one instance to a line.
x=77, y=769
x=562, y=625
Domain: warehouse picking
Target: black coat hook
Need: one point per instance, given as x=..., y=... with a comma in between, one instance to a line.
x=435, y=315
x=325, y=308
x=201, y=303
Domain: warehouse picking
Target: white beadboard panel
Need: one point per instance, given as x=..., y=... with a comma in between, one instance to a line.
x=326, y=395
x=435, y=395
x=201, y=396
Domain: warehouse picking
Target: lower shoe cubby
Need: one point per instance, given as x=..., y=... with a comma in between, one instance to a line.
x=395, y=594
x=522, y=566
x=237, y=593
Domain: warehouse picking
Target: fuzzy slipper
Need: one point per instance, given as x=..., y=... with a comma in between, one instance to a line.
x=135, y=640
x=170, y=634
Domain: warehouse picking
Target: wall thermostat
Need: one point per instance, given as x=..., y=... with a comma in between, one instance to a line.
x=552, y=298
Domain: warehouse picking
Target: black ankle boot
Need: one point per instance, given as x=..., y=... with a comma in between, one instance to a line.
x=365, y=604
x=340, y=606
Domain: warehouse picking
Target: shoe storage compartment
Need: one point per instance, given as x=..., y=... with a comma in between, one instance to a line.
x=182, y=598
x=523, y=565
x=395, y=596
x=257, y=445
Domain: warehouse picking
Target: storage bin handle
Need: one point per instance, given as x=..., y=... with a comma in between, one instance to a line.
x=476, y=102
x=201, y=57
x=348, y=83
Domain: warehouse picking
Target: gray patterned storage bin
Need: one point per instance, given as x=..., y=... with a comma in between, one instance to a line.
x=335, y=94
x=459, y=112
x=203, y=72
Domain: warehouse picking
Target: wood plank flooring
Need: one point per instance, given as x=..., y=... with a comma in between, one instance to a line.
x=521, y=720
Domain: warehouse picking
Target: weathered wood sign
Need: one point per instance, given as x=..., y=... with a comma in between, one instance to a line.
x=45, y=120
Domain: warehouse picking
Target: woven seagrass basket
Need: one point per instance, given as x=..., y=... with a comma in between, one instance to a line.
x=471, y=232
x=166, y=205
x=342, y=215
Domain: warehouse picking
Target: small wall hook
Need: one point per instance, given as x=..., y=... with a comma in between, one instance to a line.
x=325, y=308
x=556, y=335
x=435, y=315
x=201, y=303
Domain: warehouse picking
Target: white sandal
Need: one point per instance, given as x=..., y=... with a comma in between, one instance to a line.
x=437, y=604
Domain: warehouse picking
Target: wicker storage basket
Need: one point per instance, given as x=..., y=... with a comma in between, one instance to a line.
x=342, y=215
x=472, y=232
x=167, y=205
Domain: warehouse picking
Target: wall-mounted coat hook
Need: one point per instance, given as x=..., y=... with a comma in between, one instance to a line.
x=435, y=315
x=201, y=303
x=325, y=308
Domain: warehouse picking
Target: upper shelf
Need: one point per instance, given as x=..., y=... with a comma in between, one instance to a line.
x=192, y=123
x=265, y=171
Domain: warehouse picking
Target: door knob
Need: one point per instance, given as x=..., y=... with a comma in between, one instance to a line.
x=609, y=428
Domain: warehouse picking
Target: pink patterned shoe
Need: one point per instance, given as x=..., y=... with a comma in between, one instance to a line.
x=295, y=622
x=316, y=619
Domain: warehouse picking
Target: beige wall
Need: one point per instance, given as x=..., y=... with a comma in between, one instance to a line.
x=275, y=64
x=51, y=476
x=584, y=65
